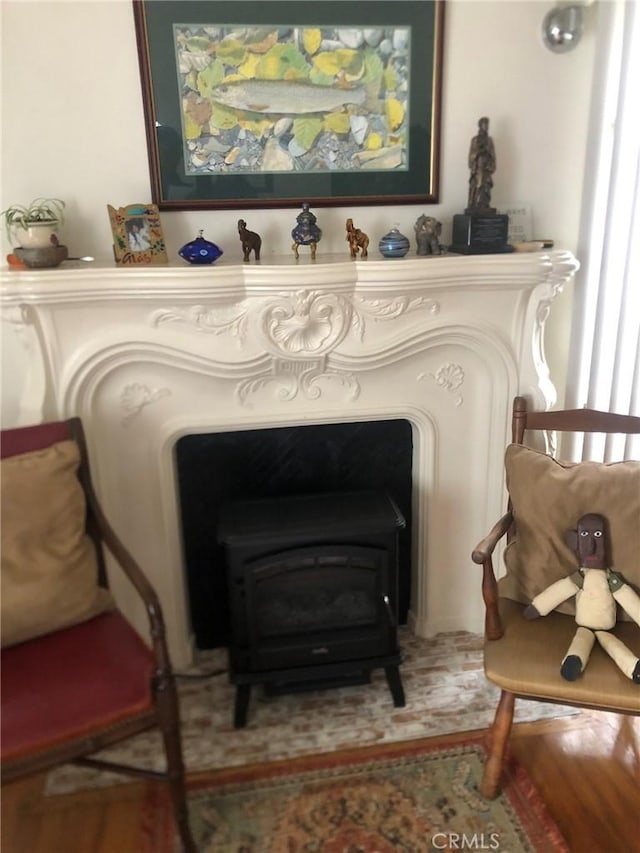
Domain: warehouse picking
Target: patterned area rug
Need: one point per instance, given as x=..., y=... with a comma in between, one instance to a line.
x=445, y=689
x=412, y=797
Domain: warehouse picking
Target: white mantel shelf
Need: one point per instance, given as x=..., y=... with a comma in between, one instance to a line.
x=94, y=280
x=147, y=355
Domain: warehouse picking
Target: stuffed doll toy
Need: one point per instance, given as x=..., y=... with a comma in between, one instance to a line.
x=596, y=588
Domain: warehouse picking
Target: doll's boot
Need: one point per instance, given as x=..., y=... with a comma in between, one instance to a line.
x=578, y=654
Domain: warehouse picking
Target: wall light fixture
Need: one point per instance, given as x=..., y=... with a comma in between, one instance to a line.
x=562, y=28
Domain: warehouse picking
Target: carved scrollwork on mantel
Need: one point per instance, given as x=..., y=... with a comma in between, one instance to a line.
x=554, y=288
x=216, y=321
x=389, y=309
x=299, y=329
x=301, y=324
x=289, y=378
x=556, y=276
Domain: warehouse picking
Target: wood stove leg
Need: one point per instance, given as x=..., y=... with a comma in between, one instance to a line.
x=243, y=694
x=395, y=685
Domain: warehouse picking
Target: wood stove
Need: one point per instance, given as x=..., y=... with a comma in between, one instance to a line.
x=312, y=585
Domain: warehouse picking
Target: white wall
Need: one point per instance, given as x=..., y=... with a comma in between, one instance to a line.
x=72, y=127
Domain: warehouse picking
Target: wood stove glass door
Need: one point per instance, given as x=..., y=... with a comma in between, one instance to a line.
x=318, y=604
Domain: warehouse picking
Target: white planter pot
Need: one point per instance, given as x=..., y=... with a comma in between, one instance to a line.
x=36, y=236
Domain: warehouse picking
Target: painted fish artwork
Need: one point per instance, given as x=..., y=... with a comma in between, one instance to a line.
x=285, y=97
x=293, y=99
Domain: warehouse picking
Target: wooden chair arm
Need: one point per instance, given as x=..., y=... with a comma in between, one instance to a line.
x=123, y=556
x=483, y=555
x=135, y=574
x=484, y=549
x=140, y=583
x=99, y=527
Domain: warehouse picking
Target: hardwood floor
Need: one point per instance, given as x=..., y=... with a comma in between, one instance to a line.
x=586, y=767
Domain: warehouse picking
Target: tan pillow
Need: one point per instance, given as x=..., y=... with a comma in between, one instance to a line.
x=548, y=498
x=48, y=569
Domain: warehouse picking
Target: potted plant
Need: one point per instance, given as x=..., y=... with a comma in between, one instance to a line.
x=34, y=225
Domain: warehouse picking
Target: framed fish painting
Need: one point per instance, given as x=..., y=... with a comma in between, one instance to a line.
x=257, y=103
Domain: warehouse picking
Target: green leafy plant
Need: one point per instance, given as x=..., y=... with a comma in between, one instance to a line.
x=41, y=211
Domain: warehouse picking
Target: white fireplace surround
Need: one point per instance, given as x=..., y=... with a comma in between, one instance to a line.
x=147, y=355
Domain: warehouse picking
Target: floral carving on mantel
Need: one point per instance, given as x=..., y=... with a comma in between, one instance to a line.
x=305, y=323
x=299, y=328
x=288, y=378
x=450, y=377
x=216, y=321
x=135, y=397
x=389, y=309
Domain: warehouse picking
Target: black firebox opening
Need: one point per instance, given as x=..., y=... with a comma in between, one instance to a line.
x=214, y=468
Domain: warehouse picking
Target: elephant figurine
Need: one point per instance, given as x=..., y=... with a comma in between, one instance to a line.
x=251, y=242
x=428, y=231
x=358, y=241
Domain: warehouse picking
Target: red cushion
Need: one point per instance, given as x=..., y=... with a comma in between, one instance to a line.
x=26, y=439
x=67, y=684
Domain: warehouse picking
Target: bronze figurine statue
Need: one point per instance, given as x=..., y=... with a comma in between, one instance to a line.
x=357, y=239
x=251, y=242
x=481, y=230
x=482, y=163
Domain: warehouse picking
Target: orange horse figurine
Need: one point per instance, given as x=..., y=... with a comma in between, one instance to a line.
x=357, y=240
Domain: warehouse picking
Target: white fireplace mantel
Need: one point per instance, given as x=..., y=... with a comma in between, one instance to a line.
x=147, y=355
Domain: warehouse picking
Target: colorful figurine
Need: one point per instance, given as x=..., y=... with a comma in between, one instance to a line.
x=306, y=232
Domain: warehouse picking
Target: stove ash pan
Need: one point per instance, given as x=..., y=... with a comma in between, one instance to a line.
x=312, y=592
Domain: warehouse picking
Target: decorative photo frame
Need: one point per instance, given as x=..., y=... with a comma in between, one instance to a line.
x=261, y=104
x=137, y=235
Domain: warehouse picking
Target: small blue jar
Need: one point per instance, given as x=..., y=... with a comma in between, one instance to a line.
x=200, y=251
x=393, y=244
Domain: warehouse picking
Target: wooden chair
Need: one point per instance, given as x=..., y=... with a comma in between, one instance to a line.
x=523, y=657
x=73, y=691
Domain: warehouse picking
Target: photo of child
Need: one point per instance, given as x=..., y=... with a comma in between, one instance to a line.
x=138, y=233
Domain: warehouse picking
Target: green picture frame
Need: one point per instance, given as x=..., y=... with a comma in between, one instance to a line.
x=269, y=103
